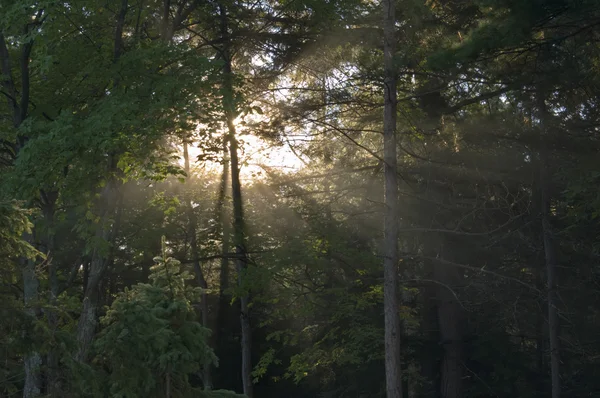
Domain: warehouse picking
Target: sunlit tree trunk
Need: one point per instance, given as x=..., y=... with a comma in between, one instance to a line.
x=192, y=230
x=390, y=263
x=238, y=213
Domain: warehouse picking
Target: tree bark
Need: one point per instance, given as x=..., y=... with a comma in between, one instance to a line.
x=429, y=330
x=99, y=263
x=240, y=259
x=192, y=230
x=19, y=110
x=32, y=360
x=53, y=387
x=223, y=230
x=238, y=213
x=451, y=319
x=549, y=247
x=165, y=31
x=167, y=385
x=391, y=303
x=88, y=319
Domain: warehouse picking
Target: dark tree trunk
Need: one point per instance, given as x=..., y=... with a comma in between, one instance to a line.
x=549, y=247
x=32, y=359
x=99, y=263
x=88, y=319
x=391, y=304
x=165, y=29
x=86, y=273
x=223, y=230
x=429, y=330
x=240, y=262
x=192, y=230
x=238, y=214
x=53, y=386
x=167, y=385
x=451, y=317
x=451, y=321
x=19, y=111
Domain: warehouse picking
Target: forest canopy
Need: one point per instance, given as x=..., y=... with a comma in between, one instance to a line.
x=299, y=198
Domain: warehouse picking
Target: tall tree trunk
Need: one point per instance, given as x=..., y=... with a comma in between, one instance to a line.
x=549, y=247
x=393, y=374
x=98, y=265
x=240, y=259
x=223, y=229
x=192, y=230
x=540, y=351
x=88, y=319
x=224, y=315
x=429, y=330
x=32, y=360
x=19, y=110
x=53, y=387
x=167, y=385
x=238, y=213
x=451, y=319
x=241, y=265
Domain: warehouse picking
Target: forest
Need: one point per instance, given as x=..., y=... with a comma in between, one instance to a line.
x=300, y=198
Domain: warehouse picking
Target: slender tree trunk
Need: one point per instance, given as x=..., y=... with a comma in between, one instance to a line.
x=53, y=387
x=549, y=247
x=240, y=261
x=192, y=230
x=541, y=326
x=429, y=330
x=167, y=385
x=451, y=320
x=224, y=230
x=393, y=375
x=19, y=110
x=33, y=359
x=540, y=352
x=86, y=273
x=238, y=213
x=241, y=265
x=222, y=338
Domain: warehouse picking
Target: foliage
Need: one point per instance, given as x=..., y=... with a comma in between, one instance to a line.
x=150, y=335
x=14, y=224
x=92, y=121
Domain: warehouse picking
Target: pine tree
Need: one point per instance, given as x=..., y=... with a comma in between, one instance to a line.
x=152, y=342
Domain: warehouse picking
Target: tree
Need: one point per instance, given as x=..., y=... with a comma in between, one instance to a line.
x=14, y=224
x=393, y=375
x=195, y=253
x=151, y=341
x=231, y=112
x=489, y=190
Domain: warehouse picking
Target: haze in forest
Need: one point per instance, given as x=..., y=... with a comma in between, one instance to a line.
x=299, y=198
